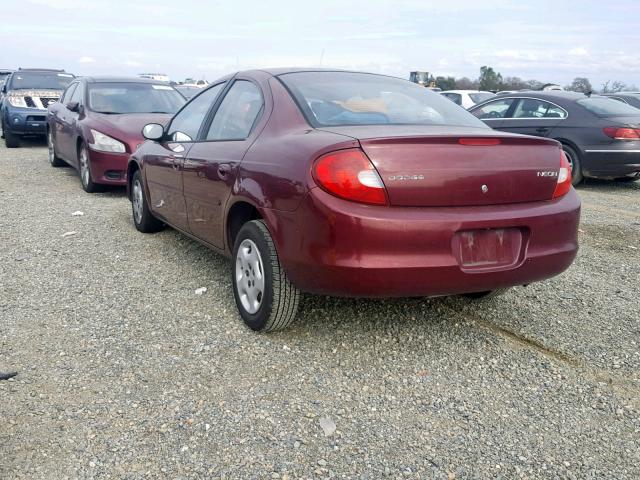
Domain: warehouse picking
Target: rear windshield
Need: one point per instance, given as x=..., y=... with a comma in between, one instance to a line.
x=481, y=96
x=602, y=106
x=122, y=97
x=344, y=98
x=40, y=81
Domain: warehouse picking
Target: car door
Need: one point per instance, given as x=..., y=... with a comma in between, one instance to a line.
x=58, y=120
x=163, y=162
x=211, y=166
x=68, y=119
x=533, y=116
x=494, y=112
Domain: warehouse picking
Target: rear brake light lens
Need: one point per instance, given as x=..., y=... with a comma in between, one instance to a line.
x=622, y=133
x=564, y=177
x=349, y=174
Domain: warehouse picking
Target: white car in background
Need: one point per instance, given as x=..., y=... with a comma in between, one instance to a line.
x=467, y=98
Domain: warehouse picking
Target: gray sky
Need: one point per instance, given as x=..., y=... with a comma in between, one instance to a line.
x=552, y=41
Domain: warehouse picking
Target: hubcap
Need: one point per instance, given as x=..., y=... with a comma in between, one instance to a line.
x=138, y=201
x=85, y=174
x=249, y=276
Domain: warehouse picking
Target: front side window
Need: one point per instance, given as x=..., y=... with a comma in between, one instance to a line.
x=76, y=96
x=345, y=98
x=481, y=96
x=605, y=107
x=497, y=109
x=39, y=81
x=534, y=108
x=238, y=112
x=186, y=124
x=133, y=97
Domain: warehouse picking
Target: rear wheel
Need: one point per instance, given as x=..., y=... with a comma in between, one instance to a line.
x=574, y=161
x=143, y=219
x=54, y=160
x=265, y=298
x=486, y=294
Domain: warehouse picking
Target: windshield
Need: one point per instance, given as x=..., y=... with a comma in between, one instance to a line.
x=481, y=96
x=122, y=97
x=602, y=106
x=40, y=81
x=344, y=98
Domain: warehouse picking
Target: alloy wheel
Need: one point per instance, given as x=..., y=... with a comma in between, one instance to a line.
x=249, y=276
x=85, y=174
x=138, y=201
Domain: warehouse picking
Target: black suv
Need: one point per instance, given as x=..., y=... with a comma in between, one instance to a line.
x=25, y=97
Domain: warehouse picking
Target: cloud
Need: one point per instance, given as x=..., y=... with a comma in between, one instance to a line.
x=578, y=52
x=86, y=60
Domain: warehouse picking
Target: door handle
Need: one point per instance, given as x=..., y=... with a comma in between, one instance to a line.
x=542, y=130
x=224, y=170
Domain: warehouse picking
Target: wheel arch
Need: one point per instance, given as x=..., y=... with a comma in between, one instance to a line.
x=240, y=211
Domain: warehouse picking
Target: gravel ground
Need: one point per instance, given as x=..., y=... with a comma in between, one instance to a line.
x=126, y=373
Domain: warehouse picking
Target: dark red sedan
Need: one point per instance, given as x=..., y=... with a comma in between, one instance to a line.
x=98, y=123
x=353, y=184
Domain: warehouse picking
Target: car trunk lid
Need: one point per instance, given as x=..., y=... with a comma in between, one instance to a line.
x=468, y=167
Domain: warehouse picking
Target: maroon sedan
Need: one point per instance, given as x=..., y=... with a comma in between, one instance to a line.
x=353, y=184
x=98, y=123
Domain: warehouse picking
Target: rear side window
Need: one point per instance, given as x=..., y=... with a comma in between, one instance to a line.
x=497, y=109
x=237, y=113
x=186, y=124
x=345, y=98
x=534, y=108
x=605, y=107
x=454, y=97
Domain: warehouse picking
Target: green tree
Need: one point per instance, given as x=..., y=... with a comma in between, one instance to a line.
x=489, y=79
x=580, y=84
x=446, y=83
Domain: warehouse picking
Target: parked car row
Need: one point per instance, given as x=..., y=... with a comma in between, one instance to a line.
x=333, y=182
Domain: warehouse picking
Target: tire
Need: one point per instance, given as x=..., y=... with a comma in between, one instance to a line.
x=11, y=140
x=84, y=166
x=143, y=219
x=54, y=160
x=627, y=179
x=576, y=165
x=273, y=304
x=487, y=294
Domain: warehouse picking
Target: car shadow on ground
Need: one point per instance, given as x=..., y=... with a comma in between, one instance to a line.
x=602, y=185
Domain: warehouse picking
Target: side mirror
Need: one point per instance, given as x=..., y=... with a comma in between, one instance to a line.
x=73, y=106
x=4, y=89
x=153, y=131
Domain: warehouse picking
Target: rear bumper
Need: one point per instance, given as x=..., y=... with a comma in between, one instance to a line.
x=611, y=162
x=108, y=168
x=331, y=246
x=25, y=121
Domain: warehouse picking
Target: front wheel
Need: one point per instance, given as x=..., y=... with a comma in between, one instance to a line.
x=574, y=162
x=143, y=219
x=85, y=170
x=10, y=140
x=265, y=298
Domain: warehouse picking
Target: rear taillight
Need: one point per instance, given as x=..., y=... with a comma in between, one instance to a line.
x=564, y=177
x=349, y=174
x=625, y=133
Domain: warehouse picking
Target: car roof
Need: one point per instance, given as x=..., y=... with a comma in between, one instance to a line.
x=108, y=79
x=620, y=94
x=467, y=91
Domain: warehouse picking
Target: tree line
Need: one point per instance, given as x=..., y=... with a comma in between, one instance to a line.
x=491, y=80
